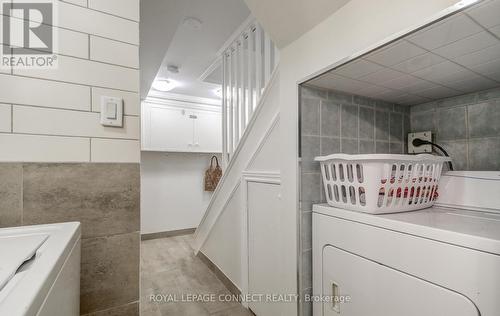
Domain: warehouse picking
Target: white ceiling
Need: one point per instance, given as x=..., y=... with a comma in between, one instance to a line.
x=458, y=55
x=287, y=20
x=194, y=50
x=159, y=21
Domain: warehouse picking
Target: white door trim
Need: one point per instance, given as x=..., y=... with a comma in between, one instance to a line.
x=247, y=177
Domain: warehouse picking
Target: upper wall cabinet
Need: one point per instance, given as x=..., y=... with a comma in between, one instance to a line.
x=170, y=128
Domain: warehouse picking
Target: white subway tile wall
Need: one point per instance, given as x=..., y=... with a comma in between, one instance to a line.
x=125, y=8
x=113, y=52
x=20, y=147
x=44, y=93
x=98, y=23
x=72, y=43
x=87, y=72
x=5, y=118
x=50, y=128
x=77, y=2
x=58, y=122
x=107, y=150
x=53, y=115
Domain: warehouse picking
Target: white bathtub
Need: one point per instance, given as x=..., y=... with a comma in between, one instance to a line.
x=49, y=283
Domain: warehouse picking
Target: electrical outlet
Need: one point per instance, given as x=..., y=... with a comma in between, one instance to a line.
x=420, y=149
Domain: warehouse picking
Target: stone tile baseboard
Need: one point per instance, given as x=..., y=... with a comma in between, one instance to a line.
x=171, y=233
x=220, y=275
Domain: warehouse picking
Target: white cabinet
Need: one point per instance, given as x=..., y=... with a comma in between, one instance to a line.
x=264, y=247
x=168, y=128
x=207, y=131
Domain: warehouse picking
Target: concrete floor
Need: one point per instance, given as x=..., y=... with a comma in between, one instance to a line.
x=170, y=268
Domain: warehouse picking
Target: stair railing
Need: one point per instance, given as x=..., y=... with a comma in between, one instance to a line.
x=247, y=65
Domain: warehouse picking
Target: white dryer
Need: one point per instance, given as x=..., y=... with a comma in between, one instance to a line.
x=440, y=261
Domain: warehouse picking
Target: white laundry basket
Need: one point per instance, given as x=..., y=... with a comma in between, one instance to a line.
x=381, y=183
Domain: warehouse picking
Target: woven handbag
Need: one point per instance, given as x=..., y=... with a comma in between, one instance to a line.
x=213, y=174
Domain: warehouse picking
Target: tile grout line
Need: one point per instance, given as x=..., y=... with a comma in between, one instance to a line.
x=70, y=136
x=103, y=12
x=389, y=132
x=22, y=193
x=374, y=130
x=11, y=67
x=358, y=125
x=403, y=141
x=91, y=93
x=467, y=138
x=12, y=118
x=82, y=32
x=74, y=83
x=93, y=60
x=67, y=109
x=112, y=308
x=340, y=107
x=114, y=234
x=320, y=127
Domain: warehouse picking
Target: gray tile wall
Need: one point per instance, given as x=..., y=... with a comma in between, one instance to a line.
x=467, y=126
x=334, y=122
x=105, y=199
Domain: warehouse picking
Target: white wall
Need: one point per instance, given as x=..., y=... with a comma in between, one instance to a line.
x=172, y=192
x=223, y=246
x=53, y=115
x=357, y=26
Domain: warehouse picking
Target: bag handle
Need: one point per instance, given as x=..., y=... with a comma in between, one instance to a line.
x=212, y=162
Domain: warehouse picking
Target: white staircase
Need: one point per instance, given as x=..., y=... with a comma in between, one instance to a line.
x=247, y=65
x=264, y=124
x=251, y=122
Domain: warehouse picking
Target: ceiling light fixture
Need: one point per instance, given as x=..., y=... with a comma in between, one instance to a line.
x=193, y=23
x=173, y=68
x=164, y=85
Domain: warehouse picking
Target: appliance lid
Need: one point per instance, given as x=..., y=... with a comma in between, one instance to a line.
x=15, y=251
x=470, y=190
x=465, y=228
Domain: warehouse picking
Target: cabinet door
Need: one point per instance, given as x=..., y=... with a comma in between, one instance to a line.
x=357, y=286
x=207, y=132
x=264, y=247
x=170, y=129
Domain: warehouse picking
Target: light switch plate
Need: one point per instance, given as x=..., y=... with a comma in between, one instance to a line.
x=111, y=111
x=420, y=149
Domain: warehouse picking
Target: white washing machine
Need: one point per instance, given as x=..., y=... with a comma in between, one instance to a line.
x=440, y=261
x=40, y=270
